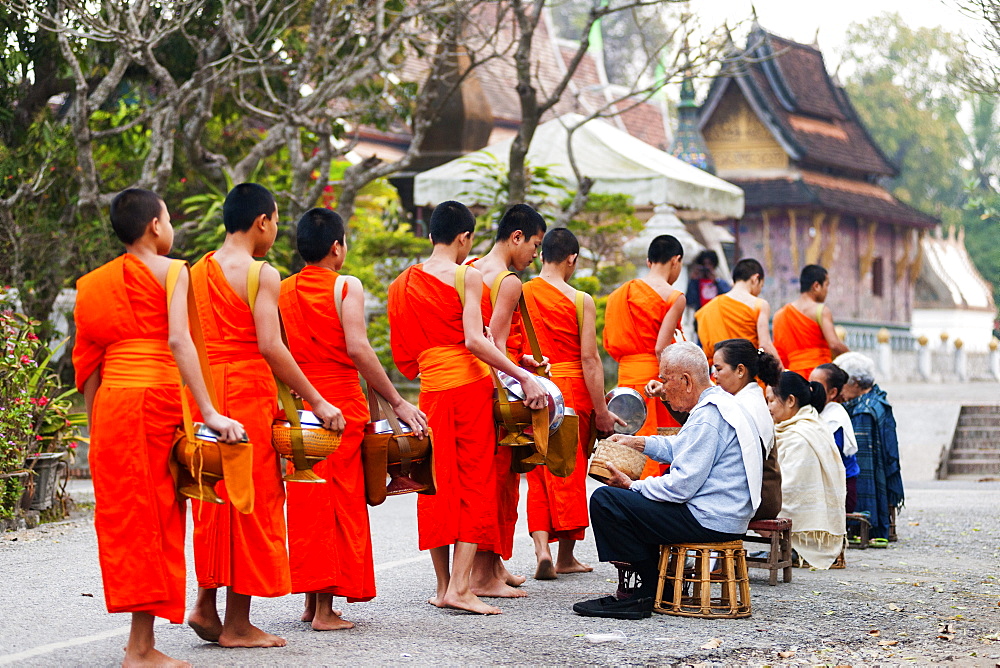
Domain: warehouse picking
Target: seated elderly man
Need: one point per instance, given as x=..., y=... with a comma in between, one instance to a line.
x=709, y=494
x=879, y=484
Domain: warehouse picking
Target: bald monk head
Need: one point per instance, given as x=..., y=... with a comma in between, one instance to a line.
x=319, y=235
x=521, y=230
x=684, y=371
x=250, y=210
x=138, y=213
x=665, y=256
x=815, y=282
x=561, y=249
x=750, y=274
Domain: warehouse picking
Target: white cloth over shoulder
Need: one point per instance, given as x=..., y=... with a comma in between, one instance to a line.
x=752, y=399
x=836, y=416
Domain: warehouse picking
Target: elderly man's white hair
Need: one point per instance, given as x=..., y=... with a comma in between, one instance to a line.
x=860, y=368
x=686, y=357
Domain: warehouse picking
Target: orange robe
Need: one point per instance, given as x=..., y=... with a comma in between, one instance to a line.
x=559, y=505
x=122, y=330
x=456, y=393
x=725, y=318
x=329, y=539
x=508, y=483
x=800, y=341
x=244, y=552
x=632, y=322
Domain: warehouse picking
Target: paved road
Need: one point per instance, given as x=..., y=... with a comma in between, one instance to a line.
x=942, y=571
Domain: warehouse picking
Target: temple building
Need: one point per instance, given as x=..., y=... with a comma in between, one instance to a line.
x=783, y=130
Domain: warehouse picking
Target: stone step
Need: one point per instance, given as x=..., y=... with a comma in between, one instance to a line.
x=981, y=409
x=967, y=446
x=979, y=420
x=960, y=468
x=977, y=432
x=974, y=455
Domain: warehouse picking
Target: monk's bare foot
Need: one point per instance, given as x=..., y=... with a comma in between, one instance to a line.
x=506, y=576
x=497, y=589
x=574, y=566
x=470, y=603
x=331, y=622
x=545, y=569
x=435, y=601
x=207, y=626
x=251, y=636
x=150, y=658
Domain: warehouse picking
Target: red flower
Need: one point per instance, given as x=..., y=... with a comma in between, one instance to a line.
x=32, y=336
x=72, y=446
x=38, y=437
x=42, y=401
x=25, y=359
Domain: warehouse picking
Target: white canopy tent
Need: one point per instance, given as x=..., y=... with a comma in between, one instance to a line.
x=615, y=160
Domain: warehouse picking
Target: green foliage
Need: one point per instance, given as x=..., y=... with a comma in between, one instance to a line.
x=489, y=184
x=605, y=223
x=35, y=415
x=908, y=87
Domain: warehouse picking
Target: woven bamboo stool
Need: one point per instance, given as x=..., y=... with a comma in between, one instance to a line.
x=779, y=558
x=719, y=593
x=864, y=529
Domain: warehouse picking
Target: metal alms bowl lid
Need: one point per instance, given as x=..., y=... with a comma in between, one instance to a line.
x=557, y=403
x=205, y=433
x=308, y=420
x=629, y=405
x=383, y=427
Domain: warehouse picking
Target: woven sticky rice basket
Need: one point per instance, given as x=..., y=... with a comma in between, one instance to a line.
x=667, y=431
x=625, y=459
x=317, y=443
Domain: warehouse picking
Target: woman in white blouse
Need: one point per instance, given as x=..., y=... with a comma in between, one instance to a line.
x=738, y=366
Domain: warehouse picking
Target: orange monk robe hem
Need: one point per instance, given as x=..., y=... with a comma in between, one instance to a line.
x=329, y=537
x=139, y=520
x=245, y=552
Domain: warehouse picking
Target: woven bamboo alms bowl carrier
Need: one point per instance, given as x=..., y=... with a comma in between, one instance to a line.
x=200, y=460
x=300, y=437
x=630, y=406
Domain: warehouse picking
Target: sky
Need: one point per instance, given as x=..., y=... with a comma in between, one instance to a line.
x=799, y=19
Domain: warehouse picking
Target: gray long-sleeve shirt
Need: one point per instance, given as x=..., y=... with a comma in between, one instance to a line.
x=706, y=471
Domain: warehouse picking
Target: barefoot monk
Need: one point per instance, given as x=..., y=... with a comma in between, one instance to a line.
x=329, y=539
x=564, y=321
x=519, y=234
x=129, y=348
x=246, y=552
x=438, y=333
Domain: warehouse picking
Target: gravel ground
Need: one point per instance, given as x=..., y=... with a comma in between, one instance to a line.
x=930, y=598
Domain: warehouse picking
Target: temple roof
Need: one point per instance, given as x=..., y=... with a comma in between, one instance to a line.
x=807, y=112
x=948, y=277
x=846, y=196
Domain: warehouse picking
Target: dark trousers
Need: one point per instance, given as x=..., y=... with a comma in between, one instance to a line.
x=629, y=527
x=851, y=502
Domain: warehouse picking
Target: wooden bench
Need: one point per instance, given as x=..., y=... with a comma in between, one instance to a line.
x=779, y=558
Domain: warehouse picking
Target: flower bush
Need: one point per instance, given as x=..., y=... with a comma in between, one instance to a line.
x=36, y=414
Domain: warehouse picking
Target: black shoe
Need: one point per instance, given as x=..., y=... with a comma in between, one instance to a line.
x=611, y=608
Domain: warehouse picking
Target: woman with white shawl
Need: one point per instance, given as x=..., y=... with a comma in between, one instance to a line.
x=813, y=488
x=737, y=366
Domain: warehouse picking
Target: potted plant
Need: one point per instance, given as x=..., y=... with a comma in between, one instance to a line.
x=38, y=428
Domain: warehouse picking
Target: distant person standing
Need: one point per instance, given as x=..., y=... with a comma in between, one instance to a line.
x=704, y=285
x=803, y=330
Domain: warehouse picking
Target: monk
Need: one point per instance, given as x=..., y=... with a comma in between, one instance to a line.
x=739, y=313
x=246, y=552
x=641, y=318
x=329, y=539
x=519, y=234
x=557, y=507
x=130, y=345
x=804, y=335
x=438, y=334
